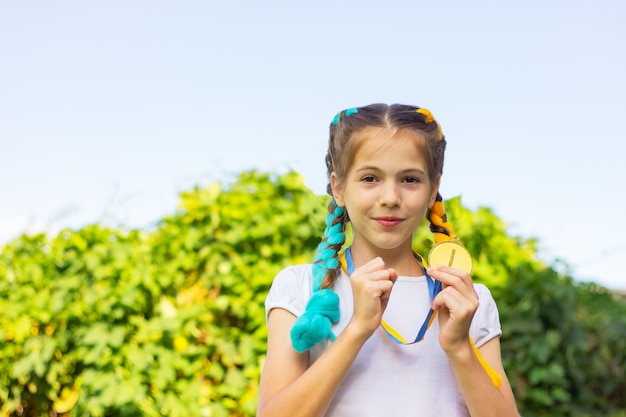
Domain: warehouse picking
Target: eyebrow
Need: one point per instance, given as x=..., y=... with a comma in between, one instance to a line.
x=404, y=171
x=375, y=168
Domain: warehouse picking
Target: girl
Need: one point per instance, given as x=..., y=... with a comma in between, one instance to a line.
x=342, y=331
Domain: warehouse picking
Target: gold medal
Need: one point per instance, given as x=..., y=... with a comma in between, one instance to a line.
x=450, y=253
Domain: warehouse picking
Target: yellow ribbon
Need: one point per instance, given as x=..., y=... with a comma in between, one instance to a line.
x=495, y=377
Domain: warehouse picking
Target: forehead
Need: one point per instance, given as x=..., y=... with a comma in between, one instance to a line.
x=371, y=141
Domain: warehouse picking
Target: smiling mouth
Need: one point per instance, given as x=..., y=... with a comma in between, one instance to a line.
x=388, y=221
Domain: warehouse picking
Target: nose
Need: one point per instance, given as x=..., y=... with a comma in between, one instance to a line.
x=389, y=195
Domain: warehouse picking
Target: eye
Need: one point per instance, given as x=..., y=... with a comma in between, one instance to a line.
x=368, y=179
x=411, y=180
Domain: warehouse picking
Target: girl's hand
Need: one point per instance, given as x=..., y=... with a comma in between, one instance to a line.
x=456, y=304
x=371, y=287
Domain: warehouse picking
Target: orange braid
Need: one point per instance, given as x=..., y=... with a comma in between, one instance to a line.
x=442, y=230
x=428, y=118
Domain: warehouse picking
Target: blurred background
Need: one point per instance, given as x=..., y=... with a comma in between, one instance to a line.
x=119, y=120
x=109, y=109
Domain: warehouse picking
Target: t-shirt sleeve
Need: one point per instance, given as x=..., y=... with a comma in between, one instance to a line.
x=290, y=290
x=486, y=322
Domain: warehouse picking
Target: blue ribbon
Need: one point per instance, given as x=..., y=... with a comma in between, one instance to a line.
x=434, y=288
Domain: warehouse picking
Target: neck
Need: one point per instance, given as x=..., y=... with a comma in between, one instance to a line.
x=400, y=259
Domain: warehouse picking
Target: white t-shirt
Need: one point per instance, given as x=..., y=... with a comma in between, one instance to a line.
x=386, y=378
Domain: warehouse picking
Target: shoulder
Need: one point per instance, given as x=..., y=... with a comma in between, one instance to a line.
x=294, y=276
x=486, y=304
x=485, y=298
x=291, y=289
x=483, y=292
x=486, y=322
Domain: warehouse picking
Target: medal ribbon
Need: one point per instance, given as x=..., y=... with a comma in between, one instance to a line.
x=434, y=287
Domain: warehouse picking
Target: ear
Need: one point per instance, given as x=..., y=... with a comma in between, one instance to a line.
x=434, y=191
x=337, y=188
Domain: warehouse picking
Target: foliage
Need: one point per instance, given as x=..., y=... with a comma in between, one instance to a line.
x=101, y=322
x=494, y=252
x=564, y=346
x=563, y=343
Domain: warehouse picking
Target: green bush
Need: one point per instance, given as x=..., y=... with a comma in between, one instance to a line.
x=170, y=321
x=98, y=322
x=563, y=342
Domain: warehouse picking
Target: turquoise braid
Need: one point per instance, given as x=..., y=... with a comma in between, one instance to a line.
x=322, y=309
x=349, y=112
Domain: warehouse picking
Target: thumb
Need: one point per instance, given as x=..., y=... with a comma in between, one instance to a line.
x=393, y=275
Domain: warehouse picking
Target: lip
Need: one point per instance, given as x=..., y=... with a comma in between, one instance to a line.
x=388, y=222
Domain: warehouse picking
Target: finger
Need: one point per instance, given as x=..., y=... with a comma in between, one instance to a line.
x=456, y=278
x=372, y=265
x=455, y=301
x=393, y=275
x=378, y=287
x=375, y=270
x=442, y=300
x=384, y=275
x=376, y=264
x=374, y=284
x=443, y=270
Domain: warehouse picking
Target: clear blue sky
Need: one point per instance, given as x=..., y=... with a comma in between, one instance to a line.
x=109, y=109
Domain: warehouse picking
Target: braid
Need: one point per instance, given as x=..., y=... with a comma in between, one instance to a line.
x=439, y=226
x=314, y=325
x=442, y=230
x=344, y=113
x=322, y=309
x=326, y=265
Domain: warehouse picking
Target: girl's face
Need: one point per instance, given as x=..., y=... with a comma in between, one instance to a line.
x=386, y=190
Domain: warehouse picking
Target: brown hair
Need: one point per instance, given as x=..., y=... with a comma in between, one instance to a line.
x=342, y=148
x=322, y=309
